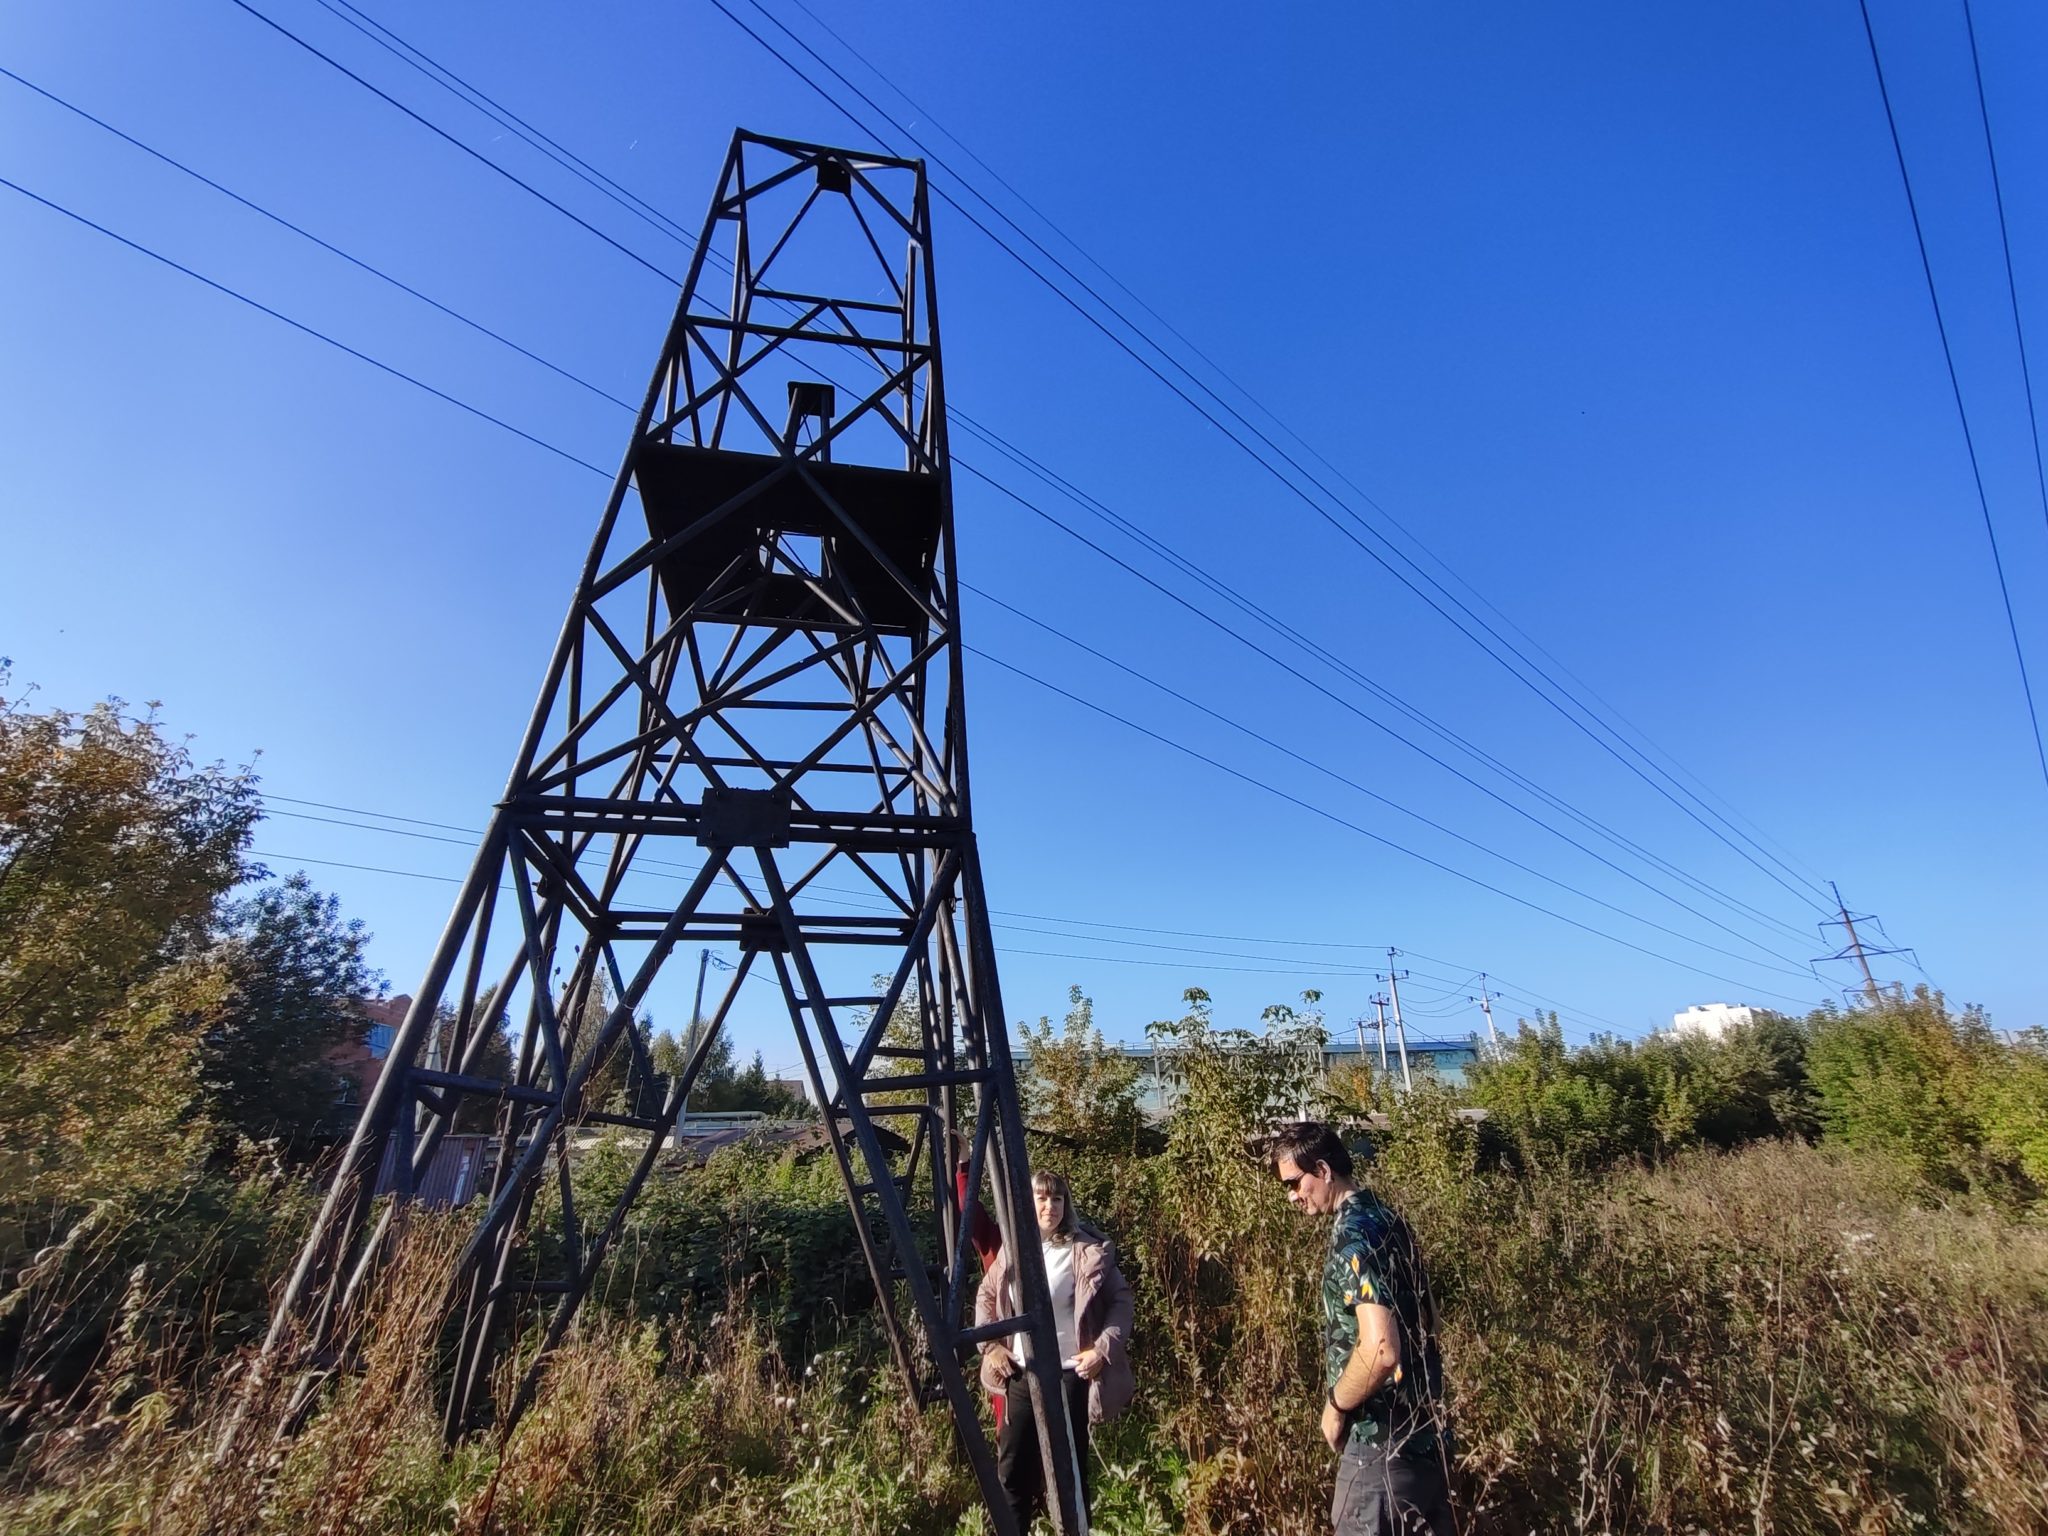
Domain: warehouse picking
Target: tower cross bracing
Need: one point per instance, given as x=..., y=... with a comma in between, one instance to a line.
x=757, y=695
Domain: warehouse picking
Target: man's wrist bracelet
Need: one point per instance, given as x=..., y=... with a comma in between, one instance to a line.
x=1331, y=1399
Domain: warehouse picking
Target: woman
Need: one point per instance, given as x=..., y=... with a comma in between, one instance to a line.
x=1091, y=1304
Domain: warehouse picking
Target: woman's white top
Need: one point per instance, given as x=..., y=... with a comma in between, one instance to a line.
x=1059, y=1279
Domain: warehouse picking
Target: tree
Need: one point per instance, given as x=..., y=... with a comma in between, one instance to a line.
x=293, y=975
x=2013, y=1106
x=618, y=1084
x=723, y=1087
x=1902, y=1079
x=1565, y=1109
x=1077, y=1085
x=115, y=849
x=670, y=1054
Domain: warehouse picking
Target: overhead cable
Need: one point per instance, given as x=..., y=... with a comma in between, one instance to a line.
x=303, y=328
x=326, y=245
x=926, y=117
x=2012, y=289
x=1363, y=831
x=475, y=154
x=1210, y=618
x=1009, y=449
x=439, y=394
x=1955, y=387
x=1264, y=462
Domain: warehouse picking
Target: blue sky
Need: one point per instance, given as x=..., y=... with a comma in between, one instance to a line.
x=1615, y=308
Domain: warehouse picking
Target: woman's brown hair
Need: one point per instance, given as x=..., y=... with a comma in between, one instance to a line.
x=1046, y=1182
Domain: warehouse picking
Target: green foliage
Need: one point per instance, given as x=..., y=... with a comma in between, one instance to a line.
x=2012, y=1107
x=1936, y=1091
x=493, y=1059
x=1560, y=1109
x=1075, y=1084
x=1563, y=1109
x=115, y=848
x=770, y=1233
x=1641, y=1332
x=723, y=1087
x=149, y=1285
x=294, y=974
x=1771, y=1339
x=1428, y=1143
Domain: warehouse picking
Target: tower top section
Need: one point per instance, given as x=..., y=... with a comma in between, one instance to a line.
x=808, y=324
x=794, y=442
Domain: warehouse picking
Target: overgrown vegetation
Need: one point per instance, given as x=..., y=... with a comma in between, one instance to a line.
x=165, y=1034
x=1908, y=1080
x=1795, y=1280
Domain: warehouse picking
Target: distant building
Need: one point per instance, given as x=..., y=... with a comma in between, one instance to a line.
x=1713, y=1020
x=454, y=1173
x=360, y=1060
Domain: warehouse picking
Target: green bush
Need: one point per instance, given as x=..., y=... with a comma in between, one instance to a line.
x=764, y=1230
x=1938, y=1092
x=1614, y=1100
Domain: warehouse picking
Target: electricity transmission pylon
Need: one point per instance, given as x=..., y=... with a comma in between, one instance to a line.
x=1859, y=949
x=757, y=693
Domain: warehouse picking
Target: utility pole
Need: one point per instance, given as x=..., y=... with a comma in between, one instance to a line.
x=1485, y=1003
x=1379, y=1004
x=1400, y=1029
x=1857, y=949
x=696, y=1021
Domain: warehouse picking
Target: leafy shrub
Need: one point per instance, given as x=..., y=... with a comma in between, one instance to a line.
x=770, y=1231
x=1938, y=1092
x=1076, y=1086
x=1614, y=1100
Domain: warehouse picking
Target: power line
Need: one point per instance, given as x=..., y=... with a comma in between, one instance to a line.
x=300, y=326
x=507, y=119
x=1240, y=774
x=1081, y=922
x=623, y=404
x=662, y=869
x=596, y=470
x=1508, y=990
x=1016, y=454
x=1331, y=659
x=1315, y=966
x=2012, y=289
x=475, y=154
x=325, y=245
x=1954, y=382
x=1294, y=672
x=1282, y=969
x=1208, y=416
x=1454, y=982
x=1373, y=794
x=926, y=116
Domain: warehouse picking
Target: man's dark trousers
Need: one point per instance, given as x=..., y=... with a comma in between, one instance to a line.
x=1018, y=1462
x=1382, y=1495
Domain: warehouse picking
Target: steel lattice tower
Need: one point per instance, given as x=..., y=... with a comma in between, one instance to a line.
x=756, y=696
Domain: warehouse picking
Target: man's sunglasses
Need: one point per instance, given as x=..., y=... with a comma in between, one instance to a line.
x=1290, y=1184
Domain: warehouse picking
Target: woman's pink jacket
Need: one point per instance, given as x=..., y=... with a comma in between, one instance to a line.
x=1102, y=1318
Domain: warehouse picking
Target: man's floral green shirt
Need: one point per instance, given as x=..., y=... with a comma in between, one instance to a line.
x=1372, y=1258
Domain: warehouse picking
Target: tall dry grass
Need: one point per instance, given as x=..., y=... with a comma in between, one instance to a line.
x=1775, y=1340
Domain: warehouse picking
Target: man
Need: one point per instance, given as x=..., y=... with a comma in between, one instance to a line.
x=1382, y=1375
